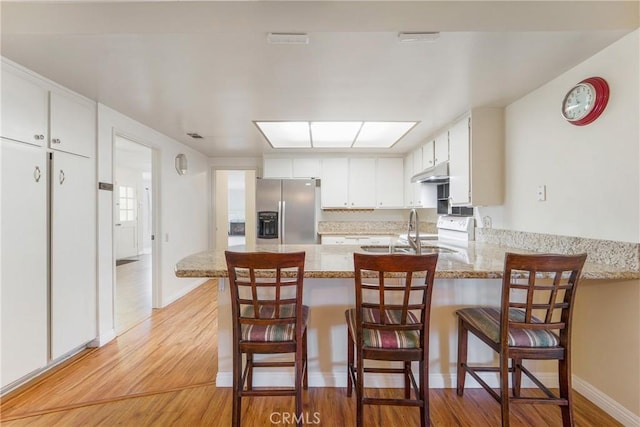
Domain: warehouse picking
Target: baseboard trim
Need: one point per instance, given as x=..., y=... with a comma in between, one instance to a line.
x=606, y=403
x=183, y=291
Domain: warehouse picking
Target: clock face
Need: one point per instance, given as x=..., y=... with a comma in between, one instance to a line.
x=578, y=102
x=586, y=101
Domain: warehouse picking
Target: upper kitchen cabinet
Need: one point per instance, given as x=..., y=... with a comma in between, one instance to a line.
x=333, y=189
x=389, y=182
x=283, y=168
x=73, y=124
x=24, y=108
x=417, y=195
x=428, y=155
x=362, y=178
x=441, y=148
x=476, y=163
x=348, y=183
x=34, y=111
x=277, y=168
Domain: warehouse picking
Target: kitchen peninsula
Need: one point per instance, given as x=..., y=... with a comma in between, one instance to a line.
x=468, y=276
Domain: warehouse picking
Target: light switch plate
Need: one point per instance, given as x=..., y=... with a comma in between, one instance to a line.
x=542, y=193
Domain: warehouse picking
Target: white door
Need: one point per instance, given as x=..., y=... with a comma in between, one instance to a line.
x=73, y=253
x=23, y=260
x=126, y=225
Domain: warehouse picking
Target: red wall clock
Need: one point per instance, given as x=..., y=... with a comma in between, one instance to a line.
x=585, y=101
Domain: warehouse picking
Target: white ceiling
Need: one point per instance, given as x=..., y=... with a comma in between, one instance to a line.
x=206, y=67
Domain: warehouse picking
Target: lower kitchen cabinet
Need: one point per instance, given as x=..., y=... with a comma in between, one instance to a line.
x=23, y=265
x=48, y=258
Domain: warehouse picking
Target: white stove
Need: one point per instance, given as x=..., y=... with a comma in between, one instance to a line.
x=456, y=229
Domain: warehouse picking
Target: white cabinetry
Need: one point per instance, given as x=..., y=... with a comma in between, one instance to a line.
x=282, y=168
x=362, y=178
x=441, y=148
x=417, y=195
x=73, y=293
x=348, y=183
x=73, y=124
x=33, y=113
x=356, y=240
x=277, y=168
x=428, y=155
x=476, y=164
x=306, y=168
x=48, y=258
x=334, y=191
x=23, y=283
x=24, y=109
x=389, y=182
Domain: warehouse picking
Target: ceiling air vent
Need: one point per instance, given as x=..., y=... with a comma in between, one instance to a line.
x=194, y=135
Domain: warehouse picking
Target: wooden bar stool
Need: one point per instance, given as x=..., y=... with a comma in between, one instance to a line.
x=533, y=322
x=268, y=318
x=391, y=322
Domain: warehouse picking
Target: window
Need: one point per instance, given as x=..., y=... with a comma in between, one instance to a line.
x=127, y=205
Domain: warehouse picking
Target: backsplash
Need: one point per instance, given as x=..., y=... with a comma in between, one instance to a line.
x=620, y=254
x=377, y=227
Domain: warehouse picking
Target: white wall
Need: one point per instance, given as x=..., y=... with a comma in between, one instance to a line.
x=591, y=172
x=182, y=216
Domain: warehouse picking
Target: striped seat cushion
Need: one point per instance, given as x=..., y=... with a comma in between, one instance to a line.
x=271, y=333
x=384, y=339
x=487, y=320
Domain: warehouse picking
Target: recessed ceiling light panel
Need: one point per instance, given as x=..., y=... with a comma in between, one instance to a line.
x=334, y=134
x=382, y=134
x=286, y=134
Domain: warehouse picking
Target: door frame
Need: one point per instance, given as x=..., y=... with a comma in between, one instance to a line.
x=156, y=295
x=250, y=220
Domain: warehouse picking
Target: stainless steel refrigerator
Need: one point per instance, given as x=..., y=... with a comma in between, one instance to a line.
x=286, y=211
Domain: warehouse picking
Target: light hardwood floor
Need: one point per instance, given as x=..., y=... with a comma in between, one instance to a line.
x=161, y=372
x=133, y=293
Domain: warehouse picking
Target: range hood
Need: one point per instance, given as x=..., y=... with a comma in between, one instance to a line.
x=435, y=174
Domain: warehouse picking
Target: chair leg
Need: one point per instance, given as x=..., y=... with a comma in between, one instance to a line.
x=350, y=345
x=305, y=380
x=299, y=382
x=250, y=373
x=462, y=356
x=516, y=376
x=407, y=380
x=504, y=387
x=237, y=387
x=564, y=373
x=424, y=393
x=359, y=390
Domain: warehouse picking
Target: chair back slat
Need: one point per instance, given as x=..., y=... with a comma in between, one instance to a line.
x=266, y=288
x=542, y=287
x=398, y=287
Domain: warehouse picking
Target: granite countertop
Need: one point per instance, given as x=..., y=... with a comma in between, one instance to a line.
x=478, y=260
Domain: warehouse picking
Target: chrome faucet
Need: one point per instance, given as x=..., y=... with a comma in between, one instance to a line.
x=413, y=226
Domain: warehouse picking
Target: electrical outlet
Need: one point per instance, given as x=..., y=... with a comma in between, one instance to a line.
x=542, y=193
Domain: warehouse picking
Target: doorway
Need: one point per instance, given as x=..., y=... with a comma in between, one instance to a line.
x=132, y=231
x=234, y=208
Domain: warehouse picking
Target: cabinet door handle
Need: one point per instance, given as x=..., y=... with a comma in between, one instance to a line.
x=61, y=177
x=38, y=137
x=37, y=174
x=55, y=141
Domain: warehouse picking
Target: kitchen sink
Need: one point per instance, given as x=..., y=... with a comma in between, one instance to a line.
x=385, y=249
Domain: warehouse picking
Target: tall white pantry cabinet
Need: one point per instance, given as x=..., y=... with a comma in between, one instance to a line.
x=48, y=224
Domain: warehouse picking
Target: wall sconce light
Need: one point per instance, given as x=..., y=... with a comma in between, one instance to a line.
x=181, y=164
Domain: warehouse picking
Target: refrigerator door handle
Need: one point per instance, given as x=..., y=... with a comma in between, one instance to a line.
x=283, y=221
